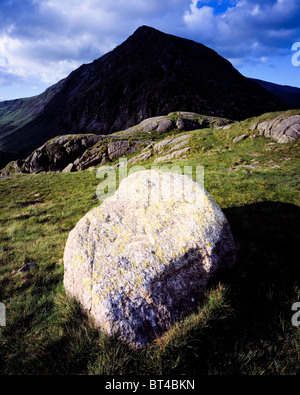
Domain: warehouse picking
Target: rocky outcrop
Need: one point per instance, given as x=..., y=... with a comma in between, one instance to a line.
x=165, y=150
x=143, y=258
x=92, y=157
x=172, y=155
x=181, y=120
x=187, y=124
x=160, y=147
x=70, y=153
x=77, y=152
x=171, y=148
x=282, y=129
x=165, y=126
x=58, y=153
x=141, y=157
x=117, y=149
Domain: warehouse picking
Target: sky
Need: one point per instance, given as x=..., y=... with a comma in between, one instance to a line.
x=42, y=41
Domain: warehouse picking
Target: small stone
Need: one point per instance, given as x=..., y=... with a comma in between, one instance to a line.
x=240, y=138
x=27, y=267
x=69, y=168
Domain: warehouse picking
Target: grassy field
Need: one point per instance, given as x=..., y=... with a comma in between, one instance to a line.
x=244, y=324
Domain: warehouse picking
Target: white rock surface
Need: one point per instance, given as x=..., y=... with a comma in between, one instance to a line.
x=142, y=259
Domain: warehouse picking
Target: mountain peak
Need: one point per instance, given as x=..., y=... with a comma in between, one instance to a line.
x=145, y=29
x=145, y=32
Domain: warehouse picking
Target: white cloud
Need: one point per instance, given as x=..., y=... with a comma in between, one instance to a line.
x=246, y=29
x=21, y=60
x=57, y=36
x=200, y=20
x=256, y=10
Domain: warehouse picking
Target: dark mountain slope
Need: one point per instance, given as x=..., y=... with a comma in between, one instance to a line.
x=289, y=94
x=17, y=115
x=150, y=74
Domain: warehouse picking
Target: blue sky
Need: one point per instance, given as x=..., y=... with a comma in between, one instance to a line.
x=42, y=41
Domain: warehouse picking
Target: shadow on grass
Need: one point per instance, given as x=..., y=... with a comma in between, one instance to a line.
x=258, y=337
x=263, y=283
x=267, y=239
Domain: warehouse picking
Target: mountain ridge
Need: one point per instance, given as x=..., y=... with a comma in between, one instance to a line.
x=289, y=94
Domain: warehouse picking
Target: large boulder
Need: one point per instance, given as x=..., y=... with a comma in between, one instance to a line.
x=143, y=258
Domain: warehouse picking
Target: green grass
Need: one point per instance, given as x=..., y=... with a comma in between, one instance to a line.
x=243, y=325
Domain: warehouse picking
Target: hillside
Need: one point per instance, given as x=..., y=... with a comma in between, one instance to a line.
x=76, y=152
x=150, y=74
x=243, y=326
x=289, y=94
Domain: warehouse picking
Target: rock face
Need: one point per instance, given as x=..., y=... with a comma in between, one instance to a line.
x=141, y=260
x=282, y=129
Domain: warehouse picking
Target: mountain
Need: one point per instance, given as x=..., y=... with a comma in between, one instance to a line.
x=289, y=94
x=150, y=74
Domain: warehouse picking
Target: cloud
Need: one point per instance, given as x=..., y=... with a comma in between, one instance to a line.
x=47, y=39
x=246, y=28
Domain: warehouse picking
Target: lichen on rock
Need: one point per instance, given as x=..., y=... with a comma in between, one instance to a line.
x=143, y=258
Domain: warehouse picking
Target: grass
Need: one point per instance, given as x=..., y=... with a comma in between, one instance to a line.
x=243, y=325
